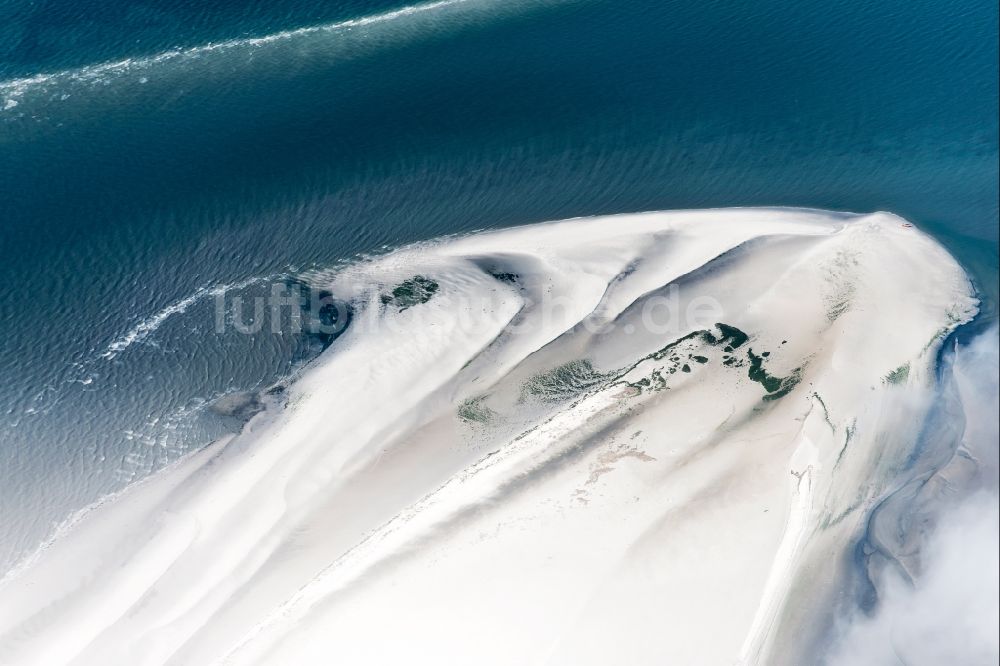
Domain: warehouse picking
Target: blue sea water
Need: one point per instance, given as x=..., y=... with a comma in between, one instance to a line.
x=152, y=151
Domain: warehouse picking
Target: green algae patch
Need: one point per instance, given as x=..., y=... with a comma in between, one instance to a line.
x=848, y=436
x=668, y=350
x=509, y=278
x=415, y=291
x=732, y=362
x=654, y=382
x=898, y=376
x=826, y=412
x=730, y=336
x=787, y=384
x=733, y=337
x=776, y=387
x=758, y=374
x=565, y=381
x=474, y=410
x=837, y=309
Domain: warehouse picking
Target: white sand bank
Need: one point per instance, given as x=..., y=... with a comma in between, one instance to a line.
x=558, y=458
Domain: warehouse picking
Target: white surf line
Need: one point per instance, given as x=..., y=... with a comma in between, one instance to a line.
x=14, y=88
x=144, y=328
x=66, y=526
x=93, y=71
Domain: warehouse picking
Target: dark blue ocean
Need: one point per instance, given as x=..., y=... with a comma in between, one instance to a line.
x=153, y=151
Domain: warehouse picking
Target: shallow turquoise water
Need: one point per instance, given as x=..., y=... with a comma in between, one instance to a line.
x=128, y=185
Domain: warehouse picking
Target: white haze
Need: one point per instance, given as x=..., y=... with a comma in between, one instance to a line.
x=951, y=612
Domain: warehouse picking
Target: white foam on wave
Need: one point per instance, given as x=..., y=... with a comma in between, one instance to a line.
x=99, y=74
x=99, y=70
x=145, y=327
x=513, y=456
